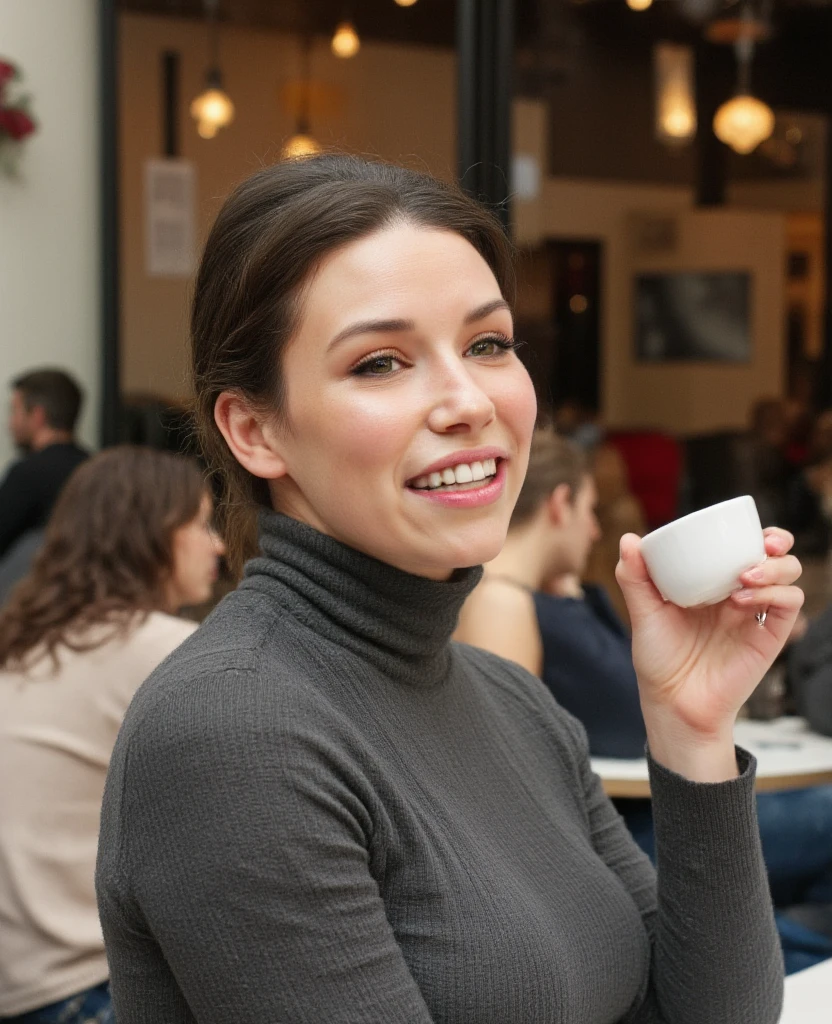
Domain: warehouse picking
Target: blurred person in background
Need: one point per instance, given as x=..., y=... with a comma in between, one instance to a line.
x=571, y=637
x=130, y=542
x=532, y=608
x=809, y=508
x=45, y=405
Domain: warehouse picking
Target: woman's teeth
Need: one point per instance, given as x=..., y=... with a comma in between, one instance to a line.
x=464, y=473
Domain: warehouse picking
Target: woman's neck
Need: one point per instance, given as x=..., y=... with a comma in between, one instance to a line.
x=522, y=558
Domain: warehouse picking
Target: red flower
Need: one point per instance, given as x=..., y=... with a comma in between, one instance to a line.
x=7, y=72
x=15, y=123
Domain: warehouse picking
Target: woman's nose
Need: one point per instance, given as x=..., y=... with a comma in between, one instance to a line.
x=461, y=404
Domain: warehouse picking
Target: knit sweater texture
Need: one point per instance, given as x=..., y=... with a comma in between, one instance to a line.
x=322, y=810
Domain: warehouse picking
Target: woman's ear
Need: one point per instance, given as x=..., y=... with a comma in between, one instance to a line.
x=559, y=505
x=250, y=435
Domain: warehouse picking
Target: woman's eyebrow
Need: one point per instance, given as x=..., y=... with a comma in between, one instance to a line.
x=392, y=326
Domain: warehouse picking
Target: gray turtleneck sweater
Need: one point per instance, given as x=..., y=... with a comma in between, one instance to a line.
x=319, y=810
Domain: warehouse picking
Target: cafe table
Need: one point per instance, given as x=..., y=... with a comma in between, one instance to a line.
x=808, y=996
x=789, y=756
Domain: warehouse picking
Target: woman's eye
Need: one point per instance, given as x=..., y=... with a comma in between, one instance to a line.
x=491, y=346
x=377, y=366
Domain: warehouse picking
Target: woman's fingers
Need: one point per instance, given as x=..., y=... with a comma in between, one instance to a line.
x=777, y=541
x=631, y=572
x=784, y=570
x=780, y=601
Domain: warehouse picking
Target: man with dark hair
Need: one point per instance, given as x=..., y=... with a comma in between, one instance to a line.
x=44, y=410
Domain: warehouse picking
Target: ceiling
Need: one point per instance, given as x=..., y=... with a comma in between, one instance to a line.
x=432, y=22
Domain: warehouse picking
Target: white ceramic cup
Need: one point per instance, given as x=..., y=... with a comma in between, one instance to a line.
x=697, y=560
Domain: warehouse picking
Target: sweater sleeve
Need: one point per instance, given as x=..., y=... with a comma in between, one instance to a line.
x=715, y=954
x=248, y=848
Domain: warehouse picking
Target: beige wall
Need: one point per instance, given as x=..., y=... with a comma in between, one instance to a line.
x=685, y=398
x=49, y=236
x=395, y=102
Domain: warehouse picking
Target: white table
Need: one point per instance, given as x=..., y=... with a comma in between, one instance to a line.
x=789, y=756
x=808, y=996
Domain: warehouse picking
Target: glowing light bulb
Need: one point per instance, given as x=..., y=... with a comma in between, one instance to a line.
x=639, y=5
x=345, y=41
x=743, y=123
x=300, y=145
x=212, y=110
x=405, y=3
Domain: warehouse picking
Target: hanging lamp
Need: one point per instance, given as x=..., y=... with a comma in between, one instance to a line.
x=345, y=41
x=302, y=143
x=213, y=108
x=744, y=121
x=675, y=94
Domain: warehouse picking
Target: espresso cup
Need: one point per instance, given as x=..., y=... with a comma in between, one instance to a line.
x=698, y=560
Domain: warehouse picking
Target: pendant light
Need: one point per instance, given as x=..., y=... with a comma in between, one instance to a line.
x=345, y=41
x=405, y=3
x=744, y=121
x=639, y=5
x=302, y=143
x=213, y=108
x=675, y=94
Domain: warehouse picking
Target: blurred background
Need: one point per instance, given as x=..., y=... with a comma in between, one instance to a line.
x=662, y=168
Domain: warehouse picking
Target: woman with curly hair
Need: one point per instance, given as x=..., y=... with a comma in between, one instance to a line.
x=129, y=543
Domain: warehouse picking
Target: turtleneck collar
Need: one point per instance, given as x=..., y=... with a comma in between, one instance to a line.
x=398, y=622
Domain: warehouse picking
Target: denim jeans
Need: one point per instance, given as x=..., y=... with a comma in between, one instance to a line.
x=91, y=1007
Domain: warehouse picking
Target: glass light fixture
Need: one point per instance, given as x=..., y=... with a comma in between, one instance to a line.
x=675, y=99
x=302, y=143
x=405, y=3
x=213, y=108
x=639, y=5
x=345, y=41
x=743, y=122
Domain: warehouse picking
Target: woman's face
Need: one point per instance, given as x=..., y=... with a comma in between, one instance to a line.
x=197, y=549
x=408, y=414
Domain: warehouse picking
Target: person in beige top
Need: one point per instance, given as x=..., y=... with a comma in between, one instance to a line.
x=130, y=542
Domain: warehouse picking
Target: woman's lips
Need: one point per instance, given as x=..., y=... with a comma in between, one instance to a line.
x=472, y=497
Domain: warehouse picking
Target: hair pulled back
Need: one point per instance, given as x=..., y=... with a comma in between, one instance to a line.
x=553, y=461
x=271, y=235
x=107, y=551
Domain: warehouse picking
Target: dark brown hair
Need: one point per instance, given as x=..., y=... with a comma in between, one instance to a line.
x=553, y=461
x=56, y=392
x=107, y=551
x=271, y=234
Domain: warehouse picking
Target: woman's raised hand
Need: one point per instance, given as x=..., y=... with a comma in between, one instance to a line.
x=696, y=667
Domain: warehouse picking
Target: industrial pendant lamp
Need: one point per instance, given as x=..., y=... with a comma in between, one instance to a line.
x=744, y=121
x=345, y=41
x=213, y=108
x=302, y=143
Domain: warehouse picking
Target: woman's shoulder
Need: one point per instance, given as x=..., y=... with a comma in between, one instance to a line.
x=235, y=668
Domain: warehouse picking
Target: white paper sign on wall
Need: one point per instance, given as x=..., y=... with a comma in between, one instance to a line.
x=170, y=216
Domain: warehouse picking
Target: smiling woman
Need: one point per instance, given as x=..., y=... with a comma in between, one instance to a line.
x=320, y=808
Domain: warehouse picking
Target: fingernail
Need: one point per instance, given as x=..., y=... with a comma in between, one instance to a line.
x=743, y=595
x=754, y=574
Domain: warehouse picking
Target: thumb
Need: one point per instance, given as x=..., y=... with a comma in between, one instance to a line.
x=639, y=591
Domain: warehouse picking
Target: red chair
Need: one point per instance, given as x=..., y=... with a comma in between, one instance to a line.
x=654, y=466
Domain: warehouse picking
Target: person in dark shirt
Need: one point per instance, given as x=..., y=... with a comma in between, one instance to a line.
x=570, y=636
x=531, y=607
x=44, y=410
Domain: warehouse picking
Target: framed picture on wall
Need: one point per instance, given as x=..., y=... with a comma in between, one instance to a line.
x=693, y=316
